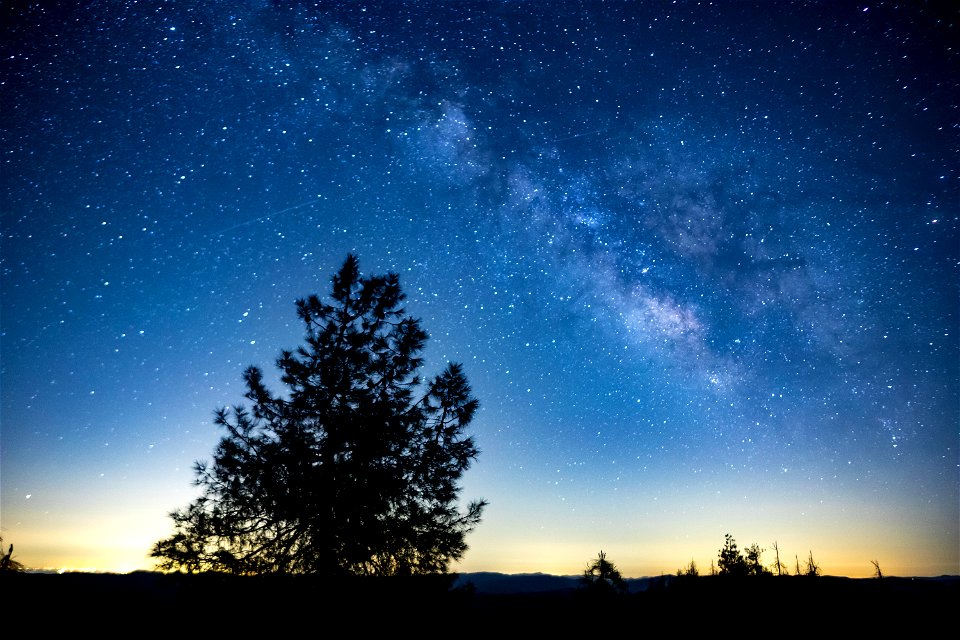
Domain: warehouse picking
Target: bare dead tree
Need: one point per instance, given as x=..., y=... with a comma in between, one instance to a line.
x=876, y=569
x=781, y=568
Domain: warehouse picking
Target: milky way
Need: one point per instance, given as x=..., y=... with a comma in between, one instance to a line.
x=699, y=262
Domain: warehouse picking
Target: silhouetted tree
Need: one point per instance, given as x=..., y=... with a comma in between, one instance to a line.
x=602, y=576
x=690, y=571
x=354, y=470
x=876, y=569
x=731, y=561
x=752, y=560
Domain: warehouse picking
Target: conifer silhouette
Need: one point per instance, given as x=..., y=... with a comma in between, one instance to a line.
x=355, y=469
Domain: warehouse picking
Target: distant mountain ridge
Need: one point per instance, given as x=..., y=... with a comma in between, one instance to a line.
x=507, y=583
x=490, y=582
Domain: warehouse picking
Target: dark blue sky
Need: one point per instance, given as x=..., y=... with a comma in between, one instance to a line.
x=699, y=261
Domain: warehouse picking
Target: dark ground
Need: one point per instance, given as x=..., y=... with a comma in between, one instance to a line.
x=189, y=604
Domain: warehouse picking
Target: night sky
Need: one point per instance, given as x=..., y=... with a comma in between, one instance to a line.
x=699, y=261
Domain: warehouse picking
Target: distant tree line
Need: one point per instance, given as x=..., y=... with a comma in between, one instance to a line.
x=602, y=578
x=732, y=561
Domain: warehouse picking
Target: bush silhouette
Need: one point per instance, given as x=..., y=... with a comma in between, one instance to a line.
x=7, y=563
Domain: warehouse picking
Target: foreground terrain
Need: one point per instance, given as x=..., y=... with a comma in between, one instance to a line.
x=446, y=605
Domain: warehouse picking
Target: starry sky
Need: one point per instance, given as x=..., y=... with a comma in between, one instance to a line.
x=699, y=261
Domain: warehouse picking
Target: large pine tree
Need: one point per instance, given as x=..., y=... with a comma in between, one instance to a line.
x=355, y=469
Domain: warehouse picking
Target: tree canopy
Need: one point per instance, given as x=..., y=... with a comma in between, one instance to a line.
x=354, y=470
